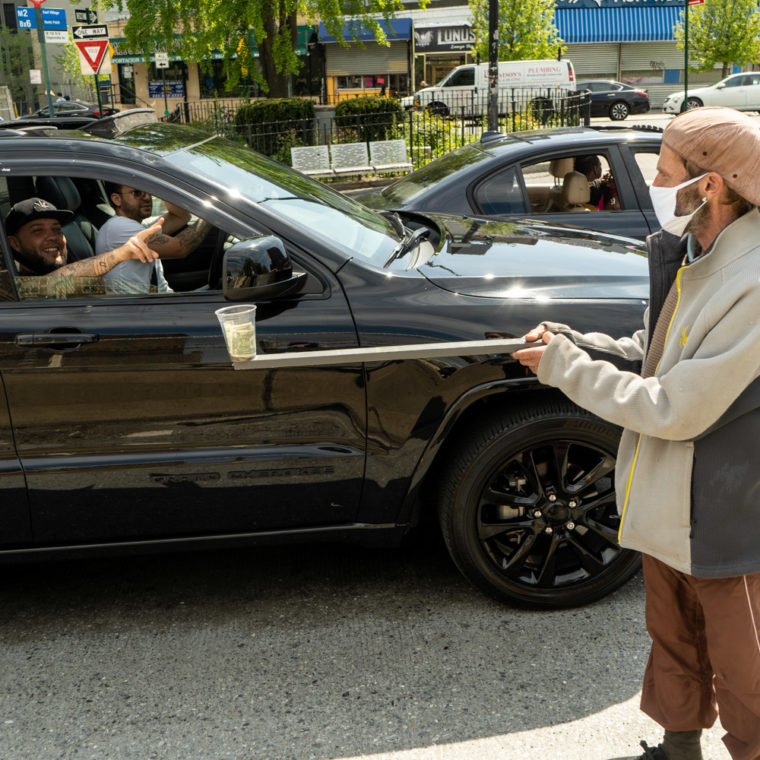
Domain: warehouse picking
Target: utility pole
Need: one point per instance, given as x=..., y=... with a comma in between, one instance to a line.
x=493, y=65
x=684, y=105
x=43, y=51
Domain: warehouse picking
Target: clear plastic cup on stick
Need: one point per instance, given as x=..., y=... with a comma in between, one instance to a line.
x=239, y=329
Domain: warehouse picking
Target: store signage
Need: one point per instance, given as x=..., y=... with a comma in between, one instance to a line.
x=166, y=89
x=432, y=39
x=615, y=3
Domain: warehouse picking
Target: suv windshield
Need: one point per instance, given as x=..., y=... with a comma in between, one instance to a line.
x=332, y=218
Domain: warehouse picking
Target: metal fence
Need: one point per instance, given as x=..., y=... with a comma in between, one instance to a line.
x=429, y=132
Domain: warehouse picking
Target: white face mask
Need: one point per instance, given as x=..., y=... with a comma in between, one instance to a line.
x=664, y=204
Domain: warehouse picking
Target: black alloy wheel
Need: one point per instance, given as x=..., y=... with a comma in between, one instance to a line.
x=694, y=103
x=527, y=507
x=619, y=111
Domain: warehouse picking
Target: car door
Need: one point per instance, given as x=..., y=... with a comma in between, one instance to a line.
x=732, y=93
x=131, y=423
x=509, y=193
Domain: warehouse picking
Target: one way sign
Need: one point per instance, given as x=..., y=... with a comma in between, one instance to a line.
x=89, y=32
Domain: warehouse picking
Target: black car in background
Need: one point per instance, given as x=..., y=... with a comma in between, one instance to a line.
x=76, y=108
x=125, y=426
x=615, y=99
x=527, y=175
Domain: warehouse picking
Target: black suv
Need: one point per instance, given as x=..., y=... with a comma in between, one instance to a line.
x=125, y=424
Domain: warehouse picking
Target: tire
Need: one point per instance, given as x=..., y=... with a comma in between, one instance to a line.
x=438, y=109
x=619, y=111
x=527, y=507
x=693, y=103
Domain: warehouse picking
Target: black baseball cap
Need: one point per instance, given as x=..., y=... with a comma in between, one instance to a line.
x=31, y=209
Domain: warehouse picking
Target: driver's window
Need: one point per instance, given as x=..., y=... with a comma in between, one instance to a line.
x=71, y=237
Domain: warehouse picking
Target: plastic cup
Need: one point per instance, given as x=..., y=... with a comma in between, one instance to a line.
x=239, y=329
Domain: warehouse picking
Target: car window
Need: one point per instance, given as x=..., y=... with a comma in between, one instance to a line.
x=50, y=265
x=545, y=188
x=733, y=81
x=647, y=163
x=463, y=78
x=501, y=193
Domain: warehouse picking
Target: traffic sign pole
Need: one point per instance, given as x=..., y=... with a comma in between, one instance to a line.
x=684, y=105
x=43, y=52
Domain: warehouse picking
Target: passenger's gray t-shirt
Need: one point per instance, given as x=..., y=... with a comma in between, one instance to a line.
x=129, y=276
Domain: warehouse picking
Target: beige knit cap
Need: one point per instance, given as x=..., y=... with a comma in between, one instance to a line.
x=720, y=140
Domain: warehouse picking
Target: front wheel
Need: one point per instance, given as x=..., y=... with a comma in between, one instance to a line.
x=693, y=103
x=527, y=508
x=436, y=108
x=619, y=111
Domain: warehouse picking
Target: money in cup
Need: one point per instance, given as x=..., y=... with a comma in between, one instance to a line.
x=239, y=328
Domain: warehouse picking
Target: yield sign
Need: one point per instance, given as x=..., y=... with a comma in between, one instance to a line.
x=92, y=52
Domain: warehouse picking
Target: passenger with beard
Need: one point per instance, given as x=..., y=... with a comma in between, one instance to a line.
x=175, y=240
x=34, y=231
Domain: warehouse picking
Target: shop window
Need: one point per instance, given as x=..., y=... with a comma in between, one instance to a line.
x=397, y=83
x=213, y=82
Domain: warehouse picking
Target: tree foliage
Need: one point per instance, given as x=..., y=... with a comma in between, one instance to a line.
x=16, y=59
x=226, y=25
x=526, y=29
x=722, y=31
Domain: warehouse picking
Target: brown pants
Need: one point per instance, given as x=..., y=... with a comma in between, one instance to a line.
x=705, y=654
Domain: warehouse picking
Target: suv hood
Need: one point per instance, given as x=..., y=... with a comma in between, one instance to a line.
x=534, y=260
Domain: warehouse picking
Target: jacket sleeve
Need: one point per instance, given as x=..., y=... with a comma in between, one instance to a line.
x=681, y=403
x=632, y=348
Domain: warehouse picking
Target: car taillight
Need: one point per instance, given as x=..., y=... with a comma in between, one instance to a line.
x=643, y=93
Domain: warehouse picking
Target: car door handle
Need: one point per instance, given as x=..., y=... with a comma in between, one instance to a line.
x=55, y=339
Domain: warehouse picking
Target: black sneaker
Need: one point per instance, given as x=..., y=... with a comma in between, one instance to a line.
x=652, y=753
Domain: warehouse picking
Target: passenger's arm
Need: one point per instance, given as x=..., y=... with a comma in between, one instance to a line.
x=175, y=218
x=181, y=244
x=137, y=247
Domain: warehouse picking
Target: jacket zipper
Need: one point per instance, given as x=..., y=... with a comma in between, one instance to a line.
x=638, y=440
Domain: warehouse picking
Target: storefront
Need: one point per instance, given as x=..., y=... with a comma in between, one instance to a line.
x=139, y=83
x=364, y=67
x=442, y=40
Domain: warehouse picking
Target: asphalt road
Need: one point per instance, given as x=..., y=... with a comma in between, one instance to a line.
x=323, y=653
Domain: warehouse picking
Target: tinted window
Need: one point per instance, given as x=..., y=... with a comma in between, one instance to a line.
x=500, y=194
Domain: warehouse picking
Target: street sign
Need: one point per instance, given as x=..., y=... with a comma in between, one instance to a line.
x=696, y=2
x=56, y=37
x=162, y=59
x=85, y=15
x=52, y=18
x=91, y=54
x=95, y=31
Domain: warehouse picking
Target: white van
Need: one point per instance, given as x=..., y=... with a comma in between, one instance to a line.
x=465, y=88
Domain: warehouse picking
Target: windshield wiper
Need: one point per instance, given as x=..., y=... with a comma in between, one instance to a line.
x=412, y=239
x=395, y=220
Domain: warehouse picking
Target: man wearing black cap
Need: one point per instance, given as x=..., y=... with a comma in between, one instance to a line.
x=33, y=227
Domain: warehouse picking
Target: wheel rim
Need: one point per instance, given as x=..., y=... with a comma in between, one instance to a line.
x=547, y=520
x=692, y=103
x=619, y=111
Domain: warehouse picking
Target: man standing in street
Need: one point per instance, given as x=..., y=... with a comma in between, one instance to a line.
x=687, y=479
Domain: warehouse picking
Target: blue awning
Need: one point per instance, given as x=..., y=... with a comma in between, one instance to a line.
x=399, y=29
x=637, y=24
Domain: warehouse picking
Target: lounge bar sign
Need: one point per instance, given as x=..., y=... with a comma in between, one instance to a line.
x=431, y=39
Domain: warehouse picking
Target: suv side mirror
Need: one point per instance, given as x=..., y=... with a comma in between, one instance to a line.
x=259, y=269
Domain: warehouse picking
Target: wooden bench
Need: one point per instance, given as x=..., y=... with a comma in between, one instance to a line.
x=312, y=160
x=389, y=156
x=350, y=158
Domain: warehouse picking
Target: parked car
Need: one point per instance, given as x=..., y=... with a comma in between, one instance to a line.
x=615, y=99
x=59, y=122
x=740, y=91
x=522, y=174
x=125, y=425
x=76, y=108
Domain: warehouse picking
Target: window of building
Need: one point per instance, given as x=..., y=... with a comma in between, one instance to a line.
x=213, y=80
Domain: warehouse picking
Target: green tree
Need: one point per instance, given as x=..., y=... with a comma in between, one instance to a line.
x=16, y=59
x=226, y=26
x=526, y=29
x=722, y=31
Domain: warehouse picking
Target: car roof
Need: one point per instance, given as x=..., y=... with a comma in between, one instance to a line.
x=568, y=137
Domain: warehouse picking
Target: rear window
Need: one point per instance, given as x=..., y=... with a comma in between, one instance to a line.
x=414, y=184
